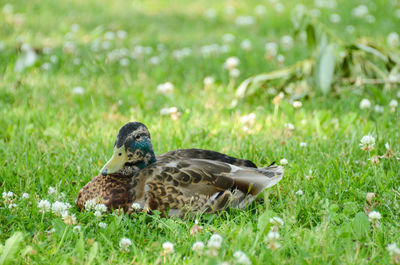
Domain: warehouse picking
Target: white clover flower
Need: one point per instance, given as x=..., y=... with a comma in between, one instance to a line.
x=283, y=161
x=102, y=225
x=335, y=18
x=279, y=7
x=90, y=204
x=229, y=10
x=224, y=48
x=241, y=258
x=180, y=54
x=210, y=13
x=367, y=143
x=76, y=229
x=168, y=248
x=77, y=61
x=208, y=50
x=287, y=42
x=69, y=219
x=52, y=191
x=325, y=4
x=136, y=206
x=303, y=35
x=309, y=176
x=12, y=205
x=105, y=45
x=28, y=58
x=8, y=195
x=260, y=10
x=393, y=105
x=297, y=104
x=231, y=63
x=101, y=208
x=198, y=247
x=98, y=214
x=208, y=81
x=125, y=243
x=299, y=192
x=49, y=232
x=155, y=60
x=271, y=49
x=360, y=11
x=165, y=111
x=365, y=104
x=280, y=58
x=53, y=59
x=69, y=47
x=25, y=196
x=246, y=45
x=274, y=245
x=315, y=12
x=289, y=126
x=166, y=88
x=393, y=249
x=350, y=29
x=370, y=19
x=245, y=20
x=387, y=146
x=124, y=62
x=234, y=73
x=8, y=9
x=303, y=144
x=374, y=216
x=60, y=208
x=76, y=91
x=215, y=241
x=228, y=38
x=392, y=40
x=273, y=235
x=172, y=111
x=276, y=221
x=374, y=159
x=109, y=35
x=121, y=34
x=44, y=206
x=46, y=66
x=379, y=109
x=74, y=27
x=393, y=77
x=248, y=120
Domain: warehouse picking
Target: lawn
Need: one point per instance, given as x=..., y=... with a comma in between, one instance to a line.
x=73, y=72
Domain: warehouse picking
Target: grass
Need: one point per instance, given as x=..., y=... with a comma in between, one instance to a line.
x=53, y=137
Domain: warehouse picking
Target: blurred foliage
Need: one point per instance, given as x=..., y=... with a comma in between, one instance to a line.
x=333, y=63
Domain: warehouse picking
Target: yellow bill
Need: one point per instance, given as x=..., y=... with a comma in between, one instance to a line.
x=116, y=162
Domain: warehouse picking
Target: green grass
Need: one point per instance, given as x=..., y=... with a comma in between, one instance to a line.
x=51, y=137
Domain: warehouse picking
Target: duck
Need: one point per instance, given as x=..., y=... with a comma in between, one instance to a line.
x=177, y=183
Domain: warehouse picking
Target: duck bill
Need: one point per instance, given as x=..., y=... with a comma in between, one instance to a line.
x=116, y=162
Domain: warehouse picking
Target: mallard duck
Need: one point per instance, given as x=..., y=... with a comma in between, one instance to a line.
x=175, y=183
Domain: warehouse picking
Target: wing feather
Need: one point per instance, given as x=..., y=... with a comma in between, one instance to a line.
x=202, y=176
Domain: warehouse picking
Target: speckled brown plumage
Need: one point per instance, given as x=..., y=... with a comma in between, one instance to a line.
x=112, y=190
x=178, y=182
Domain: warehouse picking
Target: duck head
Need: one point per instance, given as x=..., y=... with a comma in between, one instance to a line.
x=132, y=148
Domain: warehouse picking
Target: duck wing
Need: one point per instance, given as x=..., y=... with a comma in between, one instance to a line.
x=206, y=177
x=203, y=185
x=205, y=154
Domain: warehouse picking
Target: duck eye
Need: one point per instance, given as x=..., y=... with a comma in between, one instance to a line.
x=137, y=137
x=119, y=154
